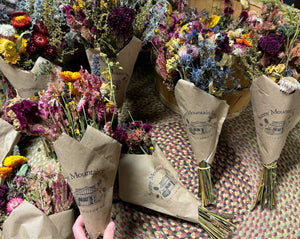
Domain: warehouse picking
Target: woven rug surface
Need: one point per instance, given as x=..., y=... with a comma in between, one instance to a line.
x=235, y=172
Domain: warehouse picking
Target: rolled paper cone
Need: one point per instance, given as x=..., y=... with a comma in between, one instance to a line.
x=151, y=181
x=28, y=222
x=9, y=137
x=25, y=82
x=120, y=77
x=203, y=116
x=91, y=175
x=275, y=115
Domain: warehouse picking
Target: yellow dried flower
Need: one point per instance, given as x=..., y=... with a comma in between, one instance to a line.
x=70, y=76
x=213, y=21
x=14, y=161
x=9, y=51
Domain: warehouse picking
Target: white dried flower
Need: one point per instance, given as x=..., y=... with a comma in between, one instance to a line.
x=288, y=85
x=7, y=31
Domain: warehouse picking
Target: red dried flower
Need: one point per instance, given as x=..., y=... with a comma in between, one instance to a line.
x=50, y=53
x=20, y=20
x=40, y=40
x=31, y=48
x=40, y=27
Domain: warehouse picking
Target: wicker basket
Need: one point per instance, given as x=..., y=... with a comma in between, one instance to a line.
x=238, y=5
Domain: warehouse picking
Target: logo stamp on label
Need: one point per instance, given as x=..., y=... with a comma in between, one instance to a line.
x=273, y=123
x=162, y=184
x=90, y=195
x=203, y=123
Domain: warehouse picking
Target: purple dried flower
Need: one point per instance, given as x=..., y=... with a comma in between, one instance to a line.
x=135, y=124
x=228, y=11
x=222, y=45
x=227, y=1
x=147, y=127
x=3, y=190
x=120, y=135
x=243, y=16
x=81, y=15
x=3, y=203
x=271, y=44
x=120, y=21
x=26, y=112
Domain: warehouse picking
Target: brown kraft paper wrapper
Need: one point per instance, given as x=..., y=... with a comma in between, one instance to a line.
x=24, y=81
x=275, y=115
x=151, y=181
x=8, y=138
x=127, y=58
x=90, y=168
x=28, y=222
x=203, y=116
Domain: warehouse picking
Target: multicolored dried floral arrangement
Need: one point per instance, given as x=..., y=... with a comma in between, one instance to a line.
x=45, y=188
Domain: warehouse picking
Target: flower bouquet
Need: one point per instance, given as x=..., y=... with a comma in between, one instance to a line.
x=180, y=52
x=151, y=181
x=109, y=30
x=274, y=66
x=79, y=105
x=26, y=54
x=34, y=195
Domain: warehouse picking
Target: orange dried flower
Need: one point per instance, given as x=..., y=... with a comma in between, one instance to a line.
x=70, y=76
x=20, y=20
x=5, y=171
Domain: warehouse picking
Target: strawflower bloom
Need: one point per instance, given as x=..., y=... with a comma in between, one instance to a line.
x=20, y=20
x=13, y=203
x=14, y=161
x=40, y=39
x=9, y=51
x=243, y=16
x=213, y=21
x=7, y=31
x=69, y=76
x=5, y=171
x=40, y=27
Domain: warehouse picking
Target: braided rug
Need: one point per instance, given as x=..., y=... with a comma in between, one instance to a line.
x=235, y=171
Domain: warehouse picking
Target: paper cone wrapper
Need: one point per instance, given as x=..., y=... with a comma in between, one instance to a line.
x=275, y=114
x=9, y=137
x=90, y=167
x=127, y=58
x=151, y=181
x=24, y=82
x=203, y=116
x=28, y=222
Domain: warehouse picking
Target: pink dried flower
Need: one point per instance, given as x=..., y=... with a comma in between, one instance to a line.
x=13, y=203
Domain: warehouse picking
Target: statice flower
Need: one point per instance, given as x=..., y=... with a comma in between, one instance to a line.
x=120, y=21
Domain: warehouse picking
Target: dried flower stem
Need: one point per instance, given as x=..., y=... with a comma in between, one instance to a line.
x=216, y=225
x=205, y=185
x=266, y=189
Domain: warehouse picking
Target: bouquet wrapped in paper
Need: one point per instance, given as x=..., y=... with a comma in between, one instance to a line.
x=275, y=114
x=122, y=71
x=90, y=167
x=151, y=181
x=28, y=52
x=116, y=30
x=36, y=196
x=203, y=116
x=28, y=222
